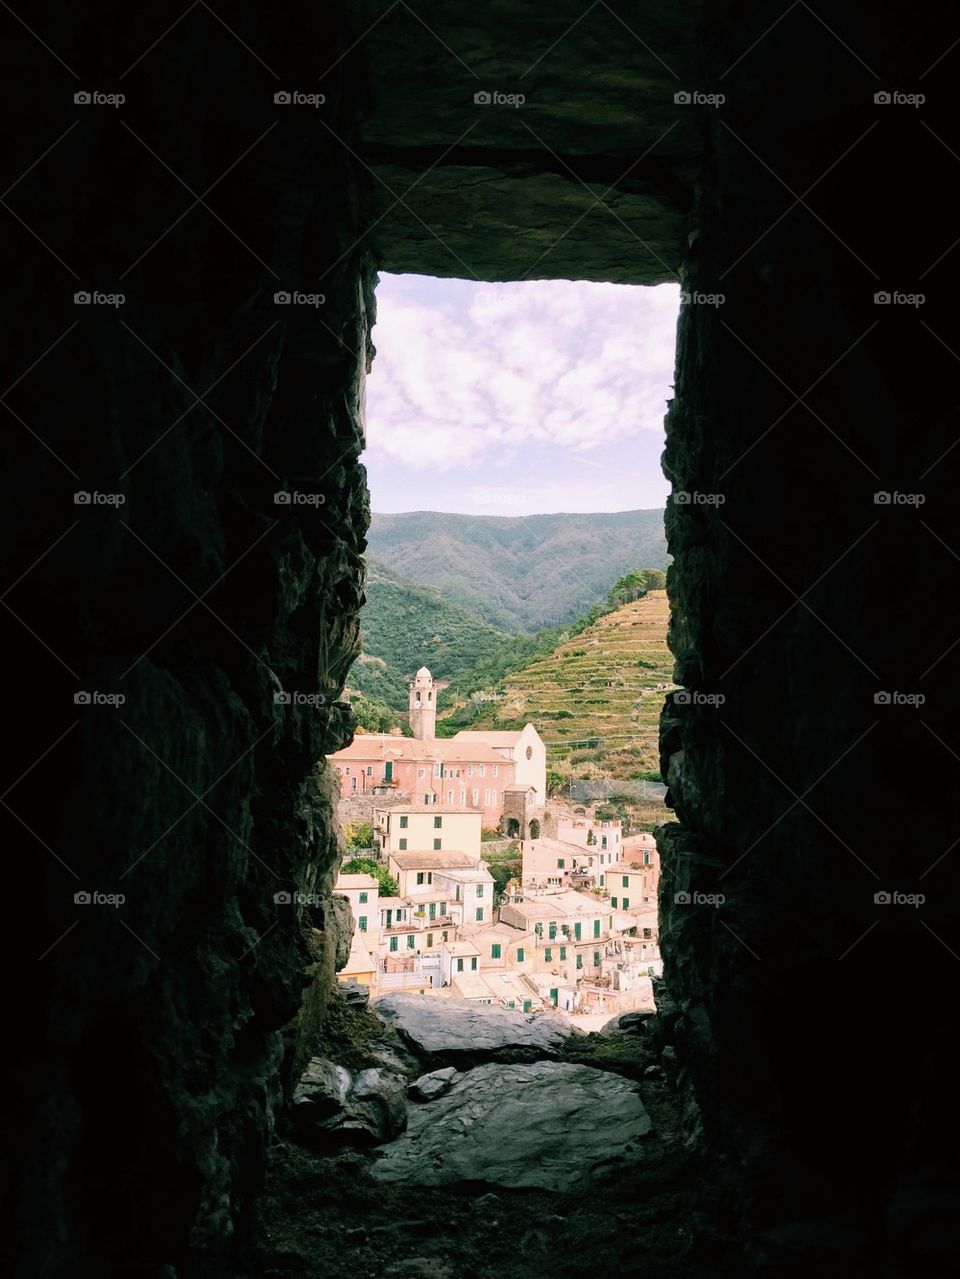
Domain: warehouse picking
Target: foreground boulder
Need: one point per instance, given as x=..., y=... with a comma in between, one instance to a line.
x=460, y=1029
x=545, y=1124
x=332, y=1106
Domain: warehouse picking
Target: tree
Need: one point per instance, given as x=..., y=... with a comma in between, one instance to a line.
x=367, y=866
x=358, y=835
x=555, y=781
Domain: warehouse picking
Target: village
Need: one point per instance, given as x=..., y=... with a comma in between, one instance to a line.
x=575, y=932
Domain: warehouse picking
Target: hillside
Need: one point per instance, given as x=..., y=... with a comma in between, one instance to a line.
x=407, y=626
x=595, y=699
x=519, y=573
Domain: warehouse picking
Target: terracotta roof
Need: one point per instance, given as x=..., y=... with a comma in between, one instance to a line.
x=496, y=737
x=384, y=746
x=434, y=860
x=354, y=881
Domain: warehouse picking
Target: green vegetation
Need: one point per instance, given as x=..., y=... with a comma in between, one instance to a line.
x=358, y=835
x=517, y=573
x=595, y=705
x=367, y=866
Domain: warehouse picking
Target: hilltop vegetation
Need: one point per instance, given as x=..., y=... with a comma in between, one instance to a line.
x=595, y=699
x=518, y=573
x=407, y=626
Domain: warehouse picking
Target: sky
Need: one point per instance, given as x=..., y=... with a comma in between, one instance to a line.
x=518, y=399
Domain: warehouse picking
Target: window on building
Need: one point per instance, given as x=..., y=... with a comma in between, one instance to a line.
x=394, y=943
x=429, y=939
x=548, y=954
x=596, y=928
x=625, y=902
x=449, y=796
x=438, y=769
x=389, y=918
x=363, y=899
x=596, y=959
x=481, y=770
x=613, y=902
x=479, y=890
x=479, y=914
x=646, y=859
x=626, y=881
x=519, y=954
x=648, y=932
x=579, y=961
x=459, y=965
x=495, y=950
x=362, y=923
x=421, y=772
x=469, y=770
x=577, y=930
x=602, y=878
x=353, y=783
x=603, y=841
x=421, y=877
x=437, y=843
x=476, y=797
x=411, y=941
x=426, y=801
x=445, y=936
x=463, y=797
x=369, y=770
x=495, y=770
x=473, y=964
x=561, y=863
x=402, y=845
x=404, y=822
x=552, y=929
x=563, y=952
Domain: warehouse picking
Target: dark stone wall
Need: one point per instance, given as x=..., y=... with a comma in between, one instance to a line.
x=148, y=1054
x=816, y=1030
x=152, y=1039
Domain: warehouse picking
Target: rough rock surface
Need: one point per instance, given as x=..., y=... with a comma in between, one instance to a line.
x=433, y=1085
x=330, y=1103
x=543, y=1124
x=459, y=1028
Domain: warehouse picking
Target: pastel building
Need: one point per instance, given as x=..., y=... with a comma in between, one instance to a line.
x=442, y=772
x=363, y=894
x=407, y=829
x=525, y=749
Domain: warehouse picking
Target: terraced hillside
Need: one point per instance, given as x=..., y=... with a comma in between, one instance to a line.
x=596, y=698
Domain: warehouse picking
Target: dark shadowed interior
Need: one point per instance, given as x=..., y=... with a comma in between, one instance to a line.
x=153, y=1049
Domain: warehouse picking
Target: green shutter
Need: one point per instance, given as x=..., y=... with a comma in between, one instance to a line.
x=495, y=950
x=519, y=954
x=596, y=928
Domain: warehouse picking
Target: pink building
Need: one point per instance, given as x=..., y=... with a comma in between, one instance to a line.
x=437, y=771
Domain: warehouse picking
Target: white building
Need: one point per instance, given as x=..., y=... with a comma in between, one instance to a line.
x=363, y=894
x=413, y=829
x=525, y=748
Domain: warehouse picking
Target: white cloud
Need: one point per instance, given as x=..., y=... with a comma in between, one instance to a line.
x=474, y=373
